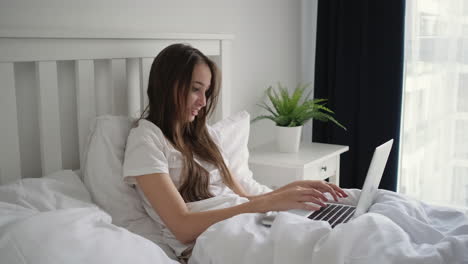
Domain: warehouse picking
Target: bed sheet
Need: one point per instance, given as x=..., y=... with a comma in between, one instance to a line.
x=52, y=220
x=397, y=229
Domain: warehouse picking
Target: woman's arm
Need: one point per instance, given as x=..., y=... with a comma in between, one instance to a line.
x=321, y=186
x=187, y=226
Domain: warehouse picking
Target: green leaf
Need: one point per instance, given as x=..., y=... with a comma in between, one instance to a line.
x=321, y=107
x=274, y=99
x=306, y=98
x=266, y=107
x=297, y=95
x=263, y=117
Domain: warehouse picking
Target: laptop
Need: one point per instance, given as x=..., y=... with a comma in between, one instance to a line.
x=336, y=213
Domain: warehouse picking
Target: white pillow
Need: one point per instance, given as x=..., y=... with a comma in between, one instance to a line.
x=103, y=167
x=233, y=132
x=102, y=176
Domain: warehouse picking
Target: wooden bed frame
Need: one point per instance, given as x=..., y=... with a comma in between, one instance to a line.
x=54, y=83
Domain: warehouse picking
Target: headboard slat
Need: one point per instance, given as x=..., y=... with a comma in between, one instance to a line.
x=10, y=162
x=49, y=119
x=133, y=87
x=145, y=72
x=119, y=87
x=68, y=118
x=85, y=96
x=103, y=81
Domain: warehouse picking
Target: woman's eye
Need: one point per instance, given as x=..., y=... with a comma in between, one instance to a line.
x=195, y=89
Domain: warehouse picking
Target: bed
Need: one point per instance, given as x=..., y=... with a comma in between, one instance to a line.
x=67, y=103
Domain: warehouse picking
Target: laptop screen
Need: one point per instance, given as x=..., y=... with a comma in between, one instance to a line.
x=373, y=177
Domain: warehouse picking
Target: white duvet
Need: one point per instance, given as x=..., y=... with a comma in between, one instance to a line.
x=397, y=230
x=52, y=220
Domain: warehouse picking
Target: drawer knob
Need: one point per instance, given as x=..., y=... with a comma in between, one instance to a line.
x=324, y=168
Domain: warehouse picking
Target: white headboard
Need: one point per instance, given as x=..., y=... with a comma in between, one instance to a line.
x=53, y=84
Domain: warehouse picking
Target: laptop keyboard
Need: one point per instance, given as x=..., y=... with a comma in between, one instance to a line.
x=334, y=213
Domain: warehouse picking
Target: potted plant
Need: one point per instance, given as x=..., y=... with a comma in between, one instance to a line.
x=291, y=112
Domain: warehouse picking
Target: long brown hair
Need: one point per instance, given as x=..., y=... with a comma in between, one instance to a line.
x=168, y=89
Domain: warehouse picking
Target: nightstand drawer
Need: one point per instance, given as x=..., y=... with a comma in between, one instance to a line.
x=322, y=170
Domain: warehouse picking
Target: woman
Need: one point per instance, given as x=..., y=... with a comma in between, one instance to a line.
x=174, y=159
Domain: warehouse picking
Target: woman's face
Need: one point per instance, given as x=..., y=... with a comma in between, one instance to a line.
x=201, y=80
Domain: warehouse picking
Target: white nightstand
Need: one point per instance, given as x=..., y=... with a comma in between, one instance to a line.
x=314, y=161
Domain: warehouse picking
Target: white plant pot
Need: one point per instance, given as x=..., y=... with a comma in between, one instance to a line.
x=288, y=138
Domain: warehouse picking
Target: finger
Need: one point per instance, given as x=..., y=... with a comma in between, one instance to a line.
x=315, y=193
x=309, y=207
x=343, y=193
x=311, y=199
x=339, y=191
x=330, y=190
x=320, y=195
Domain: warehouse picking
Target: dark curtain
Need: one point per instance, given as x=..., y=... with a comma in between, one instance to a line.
x=359, y=68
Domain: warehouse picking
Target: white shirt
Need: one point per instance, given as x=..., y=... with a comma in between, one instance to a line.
x=148, y=151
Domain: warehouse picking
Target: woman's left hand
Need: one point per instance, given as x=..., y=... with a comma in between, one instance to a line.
x=322, y=186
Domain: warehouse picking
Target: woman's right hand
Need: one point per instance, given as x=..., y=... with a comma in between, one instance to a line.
x=291, y=198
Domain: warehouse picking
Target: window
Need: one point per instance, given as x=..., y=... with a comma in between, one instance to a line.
x=434, y=136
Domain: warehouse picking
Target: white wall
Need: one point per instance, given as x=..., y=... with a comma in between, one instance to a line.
x=265, y=50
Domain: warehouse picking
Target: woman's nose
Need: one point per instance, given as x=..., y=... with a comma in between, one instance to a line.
x=202, y=100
